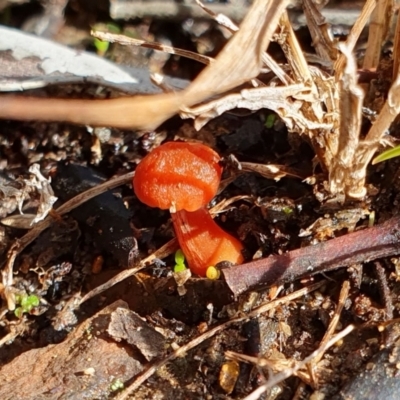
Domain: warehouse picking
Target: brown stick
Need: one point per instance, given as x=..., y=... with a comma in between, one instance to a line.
x=366, y=245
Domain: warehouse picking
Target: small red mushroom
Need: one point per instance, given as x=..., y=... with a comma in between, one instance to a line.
x=184, y=177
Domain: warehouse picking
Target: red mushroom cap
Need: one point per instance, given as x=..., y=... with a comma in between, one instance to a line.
x=181, y=175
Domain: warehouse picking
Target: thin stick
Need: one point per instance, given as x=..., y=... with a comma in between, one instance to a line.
x=222, y=19
x=127, y=41
x=344, y=293
x=160, y=253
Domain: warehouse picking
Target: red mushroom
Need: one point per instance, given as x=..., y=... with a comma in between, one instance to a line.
x=184, y=177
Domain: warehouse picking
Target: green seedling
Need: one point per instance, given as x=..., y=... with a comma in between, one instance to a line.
x=270, y=120
x=180, y=261
x=287, y=210
x=26, y=303
x=387, y=155
x=101, y=46
x=18, y=312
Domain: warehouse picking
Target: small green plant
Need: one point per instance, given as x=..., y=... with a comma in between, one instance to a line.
x=287, y=210
x=270, y=120
x=26, y=303
x=387, y=155
x=101, y=46
x=180, y=261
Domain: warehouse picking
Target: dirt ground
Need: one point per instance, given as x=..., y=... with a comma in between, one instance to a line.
x=91, y=305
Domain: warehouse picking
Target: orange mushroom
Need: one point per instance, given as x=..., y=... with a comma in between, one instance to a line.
x=184, y=177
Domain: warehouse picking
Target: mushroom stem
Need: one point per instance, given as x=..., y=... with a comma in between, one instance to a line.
x=203, y=242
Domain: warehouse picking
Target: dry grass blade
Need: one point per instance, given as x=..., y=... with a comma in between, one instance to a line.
x=311, y=119
x=311, y=116
x=351, y=100
x=396, y=49
x=320, y=33
x=15, y=331
x=225, y=204
x=375, y=137
x=273, y=171
x=232, y=27
x=266, y=58
x=291, y=47
x=241, y=59
x=354, y=35
x=127, y=41
x=277, y=70
x=378, y=29
x=344, y=293
x=376, y=134
x=141, y=112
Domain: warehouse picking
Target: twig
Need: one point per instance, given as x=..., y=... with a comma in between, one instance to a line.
x=222, y=19
x=293, y=52
x=344, y=293
x=366, y=245
x=161, y=253
x=127, y=41
x=320, y=32
x=384, y=290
